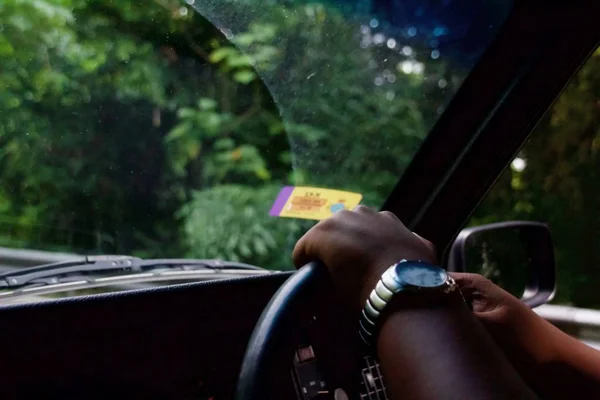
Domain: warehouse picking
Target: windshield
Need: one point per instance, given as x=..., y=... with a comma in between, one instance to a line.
x=167, y=128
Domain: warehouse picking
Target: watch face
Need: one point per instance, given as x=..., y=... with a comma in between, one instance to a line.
x=420, y=274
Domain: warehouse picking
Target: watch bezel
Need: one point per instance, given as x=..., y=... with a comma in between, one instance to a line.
x=407, y=285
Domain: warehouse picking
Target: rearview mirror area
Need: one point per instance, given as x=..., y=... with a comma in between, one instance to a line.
x=518, y=256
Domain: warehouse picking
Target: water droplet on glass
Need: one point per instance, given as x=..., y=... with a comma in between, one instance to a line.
x=412, y=31
x=391, y=43
x=407, y=50
x=374, y=23
x=439, y=31
x=228, y=33
x=378, y=38
x=519, y=164
x=406, y=67
x=435, y=54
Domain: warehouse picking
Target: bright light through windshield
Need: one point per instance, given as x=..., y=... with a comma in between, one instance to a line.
x=167, y=128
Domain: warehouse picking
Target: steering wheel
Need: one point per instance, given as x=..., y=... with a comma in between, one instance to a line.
x=262, y=352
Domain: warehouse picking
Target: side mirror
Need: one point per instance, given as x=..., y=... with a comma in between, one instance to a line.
x=517, y=256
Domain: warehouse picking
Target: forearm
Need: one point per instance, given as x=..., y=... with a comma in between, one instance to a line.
x=574, y=373
x=554, y=364
x=443, y=352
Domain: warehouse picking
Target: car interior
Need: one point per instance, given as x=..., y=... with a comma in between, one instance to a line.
x=285, y=335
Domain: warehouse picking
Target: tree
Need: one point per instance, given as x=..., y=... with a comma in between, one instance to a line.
x=151, y=129
x=559, y=186
x=309, y=57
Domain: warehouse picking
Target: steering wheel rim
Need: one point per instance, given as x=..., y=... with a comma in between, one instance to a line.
x=263, y=344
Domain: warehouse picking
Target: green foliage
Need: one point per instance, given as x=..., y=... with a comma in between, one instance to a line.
x=139, y=127
x=207, y=127
x=560, y=186
x=231, y=222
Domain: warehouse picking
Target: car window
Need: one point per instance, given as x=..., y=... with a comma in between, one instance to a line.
x=167, y=128
x=556, y=179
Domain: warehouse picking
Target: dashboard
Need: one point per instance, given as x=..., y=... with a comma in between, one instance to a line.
x=311, y=384
x=179, y=342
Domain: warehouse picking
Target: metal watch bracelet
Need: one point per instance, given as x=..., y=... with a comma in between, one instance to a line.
x=385, y=290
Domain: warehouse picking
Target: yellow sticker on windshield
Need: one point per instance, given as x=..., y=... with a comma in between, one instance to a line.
x=312, y=203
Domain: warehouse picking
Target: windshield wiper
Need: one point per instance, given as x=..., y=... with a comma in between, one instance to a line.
x=51, y=274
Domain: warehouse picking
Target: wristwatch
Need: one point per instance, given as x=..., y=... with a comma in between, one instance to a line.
x=406, y=276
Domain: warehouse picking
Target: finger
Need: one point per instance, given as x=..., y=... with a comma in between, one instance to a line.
x=389, y=214
x=430, y=246
x=472, y=286
x=469, y=280
x=363, y=209
x=300, y=254
x=394, y=217
x=306, y=249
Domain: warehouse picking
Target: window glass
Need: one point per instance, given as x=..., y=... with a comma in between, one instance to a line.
x=556, y=179
x=167, y=128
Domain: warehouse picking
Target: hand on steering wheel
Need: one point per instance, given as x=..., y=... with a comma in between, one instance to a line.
x=358, y=246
